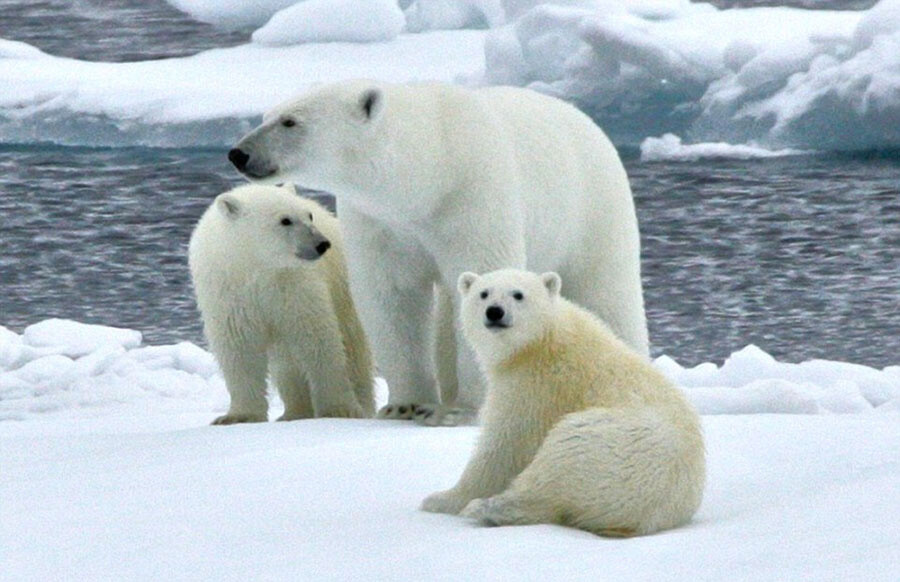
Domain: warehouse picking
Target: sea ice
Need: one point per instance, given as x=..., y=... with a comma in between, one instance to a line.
x=232, y=14
x=331, y=21
x=209, y=99
x=770, y=77
x=670, y=148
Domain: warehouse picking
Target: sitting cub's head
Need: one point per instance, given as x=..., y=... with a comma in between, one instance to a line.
x=502, y=311
x=273, y=224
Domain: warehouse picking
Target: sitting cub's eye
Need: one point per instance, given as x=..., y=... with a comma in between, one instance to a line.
x=518, y=296
x=483, y=294
x=310, y=216
x=288, y=122
x=286, y=221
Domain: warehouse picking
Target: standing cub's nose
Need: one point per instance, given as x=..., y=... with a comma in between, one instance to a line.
x=494, y=313
x=322, y=247
x=238, y=158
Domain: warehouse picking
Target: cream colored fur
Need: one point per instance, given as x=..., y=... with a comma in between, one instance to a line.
x=267, y=309
x=577, y=429
x=433, y=180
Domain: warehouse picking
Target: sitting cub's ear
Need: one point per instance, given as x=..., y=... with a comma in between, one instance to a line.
x=552, y=282
x=371, y=102
x=228, y=205
x=464, y=283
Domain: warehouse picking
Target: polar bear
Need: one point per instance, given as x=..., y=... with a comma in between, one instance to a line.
x=578, y=429
x=271, y=284
x=433, y=180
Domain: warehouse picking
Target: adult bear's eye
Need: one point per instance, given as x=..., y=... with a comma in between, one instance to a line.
x=286, y=221
x=288, y=122
x=484, y=294
x=518, y=296
x=310, y=216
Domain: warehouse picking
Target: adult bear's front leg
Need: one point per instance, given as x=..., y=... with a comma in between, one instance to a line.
x=392, y=280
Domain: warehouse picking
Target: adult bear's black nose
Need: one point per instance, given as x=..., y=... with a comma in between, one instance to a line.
x=238, y=158
x=494, y=313
x=322, y=247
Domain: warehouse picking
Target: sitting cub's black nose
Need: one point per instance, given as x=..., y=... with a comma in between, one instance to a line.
x=322, y=247
x=238, y=158
x=494, y=313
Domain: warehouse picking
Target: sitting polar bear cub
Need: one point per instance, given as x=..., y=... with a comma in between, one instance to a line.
x=271, y=284
x=578, y=430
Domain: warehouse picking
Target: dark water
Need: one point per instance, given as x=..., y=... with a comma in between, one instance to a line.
x=110, y=30
x=798, y=255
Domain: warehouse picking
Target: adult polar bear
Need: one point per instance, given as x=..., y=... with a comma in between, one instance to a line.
x=435, y=180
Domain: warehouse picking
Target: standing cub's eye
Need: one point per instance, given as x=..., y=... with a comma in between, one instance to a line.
x=286, y=221
x=288, y=122
x=518, y=296
x=483, y=294
x=310, y=216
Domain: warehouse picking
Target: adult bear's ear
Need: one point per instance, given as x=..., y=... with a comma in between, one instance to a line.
x=371, y=102
x=552, y=282
x=228, y=205
x=464, y=283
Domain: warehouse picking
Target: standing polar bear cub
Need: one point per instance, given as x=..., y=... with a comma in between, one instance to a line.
x=577, y=429
x=271, y=284
x=433, y=180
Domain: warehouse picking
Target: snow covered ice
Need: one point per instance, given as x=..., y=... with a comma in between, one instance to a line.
x=110, y=471
x=777, y=77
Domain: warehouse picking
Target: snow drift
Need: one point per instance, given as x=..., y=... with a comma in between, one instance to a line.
x=66, y=367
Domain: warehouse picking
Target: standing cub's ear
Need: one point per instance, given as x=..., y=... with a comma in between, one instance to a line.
x=228, y=205
x=552, y=282
x=371, y=102
x=464, y=283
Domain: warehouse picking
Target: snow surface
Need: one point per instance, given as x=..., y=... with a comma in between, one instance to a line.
x=110, y=471
x=774, y=77
x=332, y=21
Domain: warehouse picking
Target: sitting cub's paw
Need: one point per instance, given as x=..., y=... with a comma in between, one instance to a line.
x=445, y=502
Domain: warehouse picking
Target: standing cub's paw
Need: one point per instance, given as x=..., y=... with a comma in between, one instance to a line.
x=239, y=419
x=448, y=501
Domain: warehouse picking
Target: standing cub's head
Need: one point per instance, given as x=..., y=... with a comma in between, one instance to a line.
x=505, y=310
x=269, y=226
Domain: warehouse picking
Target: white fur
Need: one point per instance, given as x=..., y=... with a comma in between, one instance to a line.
x=432, y=180
x=266, y=309
x=578, y=429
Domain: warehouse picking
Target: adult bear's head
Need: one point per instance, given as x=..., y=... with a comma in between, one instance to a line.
x=326, y=139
